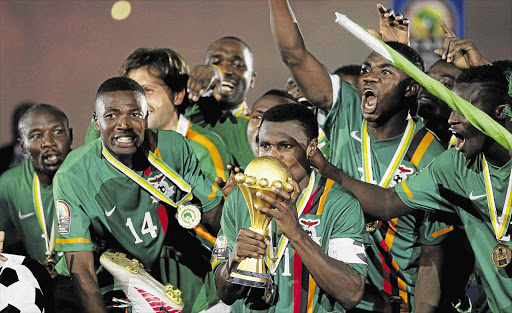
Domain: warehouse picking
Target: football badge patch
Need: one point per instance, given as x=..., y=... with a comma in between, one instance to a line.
x=63, y=216
x=220, y=250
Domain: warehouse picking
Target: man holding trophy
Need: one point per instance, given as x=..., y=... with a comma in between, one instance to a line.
x=312, y=248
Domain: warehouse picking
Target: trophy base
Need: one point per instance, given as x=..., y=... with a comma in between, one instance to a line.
x=251, y=279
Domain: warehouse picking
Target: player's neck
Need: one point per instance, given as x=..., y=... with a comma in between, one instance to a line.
x=391, y=128
x=172, y=122
x=303, y=184
x=45, y=178
x=497, y=155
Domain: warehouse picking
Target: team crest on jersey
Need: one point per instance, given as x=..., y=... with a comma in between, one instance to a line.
x=402, y=172
x=220, y=250
x=159, y=183
x=309, y=227
x=63, y=216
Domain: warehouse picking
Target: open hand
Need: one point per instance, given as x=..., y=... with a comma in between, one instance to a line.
x=227, y=186
x=203, y=78
x=393, y=27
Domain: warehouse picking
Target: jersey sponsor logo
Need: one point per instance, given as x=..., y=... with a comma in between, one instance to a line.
x=108, y=213
x=353, y=135
x=63, y=216
x=24, y=216
x=309, y=227
x=220, y=250
x=402, y=172
x=473, y=197
x=159, y=182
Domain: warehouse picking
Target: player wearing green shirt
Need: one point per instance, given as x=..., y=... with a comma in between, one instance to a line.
x=372, y=137
x=97, y=197
x=325, y=241
x=27, y=211
x=463, y=181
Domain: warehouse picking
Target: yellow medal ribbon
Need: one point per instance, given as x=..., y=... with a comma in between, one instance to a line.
x=283, y=241
x=38, y=204
x=163, y=168
x=499, y=223
x=397, y=158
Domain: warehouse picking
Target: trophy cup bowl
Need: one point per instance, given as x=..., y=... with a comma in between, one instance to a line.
x=261, y=174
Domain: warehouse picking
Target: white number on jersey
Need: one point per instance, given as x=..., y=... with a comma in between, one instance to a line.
x=147, y=227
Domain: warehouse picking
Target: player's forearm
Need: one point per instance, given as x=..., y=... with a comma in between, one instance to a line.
x=81, y=269
x=227, y=291
x=310, y=75
x=211, y=219
x=381, y=203
x=334, y=277
x=428, y=283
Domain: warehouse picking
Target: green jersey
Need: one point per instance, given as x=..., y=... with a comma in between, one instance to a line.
x=396, y=244
x=19, y=217
x=453, y=183
x=332, y=218
x=208, y=147
x=99, y=207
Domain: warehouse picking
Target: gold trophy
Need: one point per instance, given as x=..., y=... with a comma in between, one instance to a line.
x=261, y=174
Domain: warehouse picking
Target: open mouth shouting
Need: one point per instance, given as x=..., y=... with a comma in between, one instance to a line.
x=368, y=101
x=51, y=158
x=459, y=144
x=125, y=141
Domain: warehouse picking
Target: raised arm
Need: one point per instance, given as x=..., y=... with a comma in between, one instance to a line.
x=81, y=269
x=311, y=76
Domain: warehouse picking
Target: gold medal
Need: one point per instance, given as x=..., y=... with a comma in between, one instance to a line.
x=270, y=293
x=188, y=216
x=501, y=255
x=50, y=263
x=372, y=226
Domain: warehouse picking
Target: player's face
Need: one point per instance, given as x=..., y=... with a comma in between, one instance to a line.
x=161, y=108
x=259, y=107
x=287, y=142
x=121, y=120
x=382, y=88
x=46, y=137
x=429, y=106
x=236, y=61
x=470, y=141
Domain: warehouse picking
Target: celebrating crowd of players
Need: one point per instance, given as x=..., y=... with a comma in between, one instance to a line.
x=397, y=199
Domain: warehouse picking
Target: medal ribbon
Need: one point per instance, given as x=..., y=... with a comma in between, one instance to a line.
x=283, y=241
x=38, y=204
x=395, y=161
x=182, y=126
x=163, y=168
x=499, y=223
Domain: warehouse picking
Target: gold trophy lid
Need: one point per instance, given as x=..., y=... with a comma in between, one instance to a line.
x=264, y=173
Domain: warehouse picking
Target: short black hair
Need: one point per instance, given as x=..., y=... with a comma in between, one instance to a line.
x=119, y=84
x=409, y=53
x=293, y=112
x=164, y=64
x=46, y=107
x=236, y=39
x=280, y=93
x=493, y=81
x=351, y=69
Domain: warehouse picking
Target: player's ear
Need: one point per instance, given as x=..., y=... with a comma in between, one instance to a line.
x=253, y=79
x=22, y=145
x=178, y=97
x=95, y=119
x=412, y=89
x=70, y=136
x=313, y=144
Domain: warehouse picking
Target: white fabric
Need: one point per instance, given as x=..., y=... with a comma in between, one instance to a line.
x=347, y=250
x=336, y=82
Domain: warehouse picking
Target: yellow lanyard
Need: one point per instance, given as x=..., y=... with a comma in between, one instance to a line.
x=499, y=223
x=283, y=241
x=38, y=204
x=163, y=168
x=395, y=162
